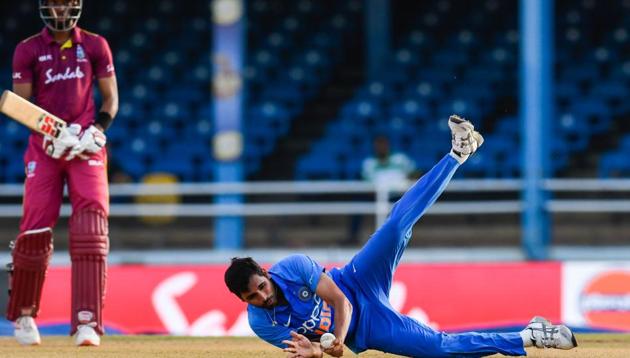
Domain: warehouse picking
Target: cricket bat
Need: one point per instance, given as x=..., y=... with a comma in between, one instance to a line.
x=30, y=115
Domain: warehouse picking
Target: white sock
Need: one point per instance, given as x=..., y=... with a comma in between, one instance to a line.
x=459, y=159
x=526, y=336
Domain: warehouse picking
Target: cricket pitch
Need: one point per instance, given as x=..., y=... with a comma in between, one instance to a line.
x=590, y=346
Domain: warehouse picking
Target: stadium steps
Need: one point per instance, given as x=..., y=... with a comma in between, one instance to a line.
x=311, y=123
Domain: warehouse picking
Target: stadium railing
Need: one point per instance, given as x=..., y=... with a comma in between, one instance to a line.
x=379, y=206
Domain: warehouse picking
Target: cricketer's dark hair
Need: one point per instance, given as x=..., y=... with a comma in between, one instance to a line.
x=238, y=274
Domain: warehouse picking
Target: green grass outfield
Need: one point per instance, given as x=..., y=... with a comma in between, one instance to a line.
x=590, y=346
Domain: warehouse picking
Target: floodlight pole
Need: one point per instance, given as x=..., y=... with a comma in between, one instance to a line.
x=228, y=46
x=536, y=112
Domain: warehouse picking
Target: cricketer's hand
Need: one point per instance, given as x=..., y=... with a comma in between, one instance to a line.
x=68, y=138
x=336, y=350
x=92, y=141
x=300, y=347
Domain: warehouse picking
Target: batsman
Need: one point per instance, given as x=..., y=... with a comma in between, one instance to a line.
x=57, y=69
x=296, y=302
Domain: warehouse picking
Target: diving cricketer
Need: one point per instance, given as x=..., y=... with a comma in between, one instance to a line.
x=294, y=303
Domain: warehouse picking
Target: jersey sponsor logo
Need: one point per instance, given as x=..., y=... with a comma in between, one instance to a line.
x=67, y=75
x=320, y=320
x=17, y=75
x=110, y=68
x=95, y=163
x=44, y=58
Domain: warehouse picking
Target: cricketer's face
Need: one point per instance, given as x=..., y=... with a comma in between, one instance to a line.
x=60, y=15
x=260, y=292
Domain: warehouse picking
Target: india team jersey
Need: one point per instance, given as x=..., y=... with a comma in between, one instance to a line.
x=366, y=281
x=63, y=74
x=297, y=276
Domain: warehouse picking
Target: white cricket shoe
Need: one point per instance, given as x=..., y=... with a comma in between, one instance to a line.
x=465, y=140
x=86, y=335
x=544, y=334
x=26, y=331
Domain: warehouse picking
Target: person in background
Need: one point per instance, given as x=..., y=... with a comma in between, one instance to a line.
x=384, y=168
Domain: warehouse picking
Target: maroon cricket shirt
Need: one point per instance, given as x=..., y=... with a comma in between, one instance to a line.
x=63, y=74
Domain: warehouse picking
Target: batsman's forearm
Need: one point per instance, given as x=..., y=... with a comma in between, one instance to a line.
x=108, y=88
x=110, y=105
x=343, y=315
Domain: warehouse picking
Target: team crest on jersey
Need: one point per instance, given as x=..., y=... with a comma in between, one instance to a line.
x=80, y=53
x=305, y=294
x=30, y=169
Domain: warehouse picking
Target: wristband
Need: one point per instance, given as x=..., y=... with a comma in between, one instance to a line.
x=104, y=119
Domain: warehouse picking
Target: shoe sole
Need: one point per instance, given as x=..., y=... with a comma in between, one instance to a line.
x=573, y=340
x=87, y=344
x=36, y=343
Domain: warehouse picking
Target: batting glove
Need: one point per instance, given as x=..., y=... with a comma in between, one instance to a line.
x=465, y=140
x=68, y=138
x=92, y=141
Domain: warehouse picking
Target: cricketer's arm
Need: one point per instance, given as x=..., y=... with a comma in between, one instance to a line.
x=109, y=91
x=328, y=290
x=24, y=90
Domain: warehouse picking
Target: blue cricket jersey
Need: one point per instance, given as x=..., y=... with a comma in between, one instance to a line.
x=297, y=277
x=366, y=281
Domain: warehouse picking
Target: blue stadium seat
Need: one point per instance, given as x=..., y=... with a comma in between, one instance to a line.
x=313, y=166
x=425, y=90
x=580, y=72
x=14, y=134
x=484, y=74
x=417, y=39
x=614, y=164
x=611, y=91
x=567, y=90
x=410, y=110
x=464, y=107
x=365, y=112
x=378, y=91
x=596, y=112
x=14, y=170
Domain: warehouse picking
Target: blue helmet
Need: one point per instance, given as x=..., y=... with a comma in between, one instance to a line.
x=60, y=15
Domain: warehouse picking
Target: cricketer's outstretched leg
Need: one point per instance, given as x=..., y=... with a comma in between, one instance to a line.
x=373, y=267
x=399, y=334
